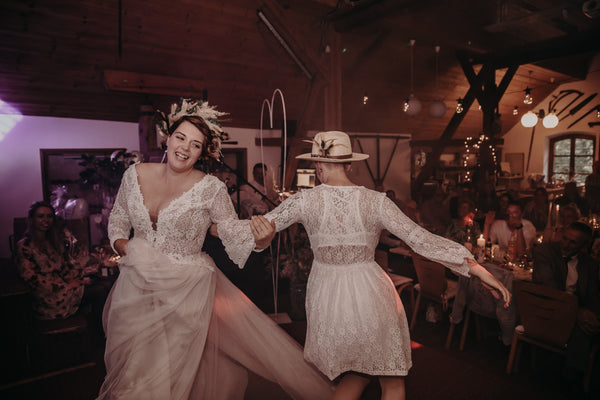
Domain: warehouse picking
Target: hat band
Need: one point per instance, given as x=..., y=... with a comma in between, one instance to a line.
x=333, y=157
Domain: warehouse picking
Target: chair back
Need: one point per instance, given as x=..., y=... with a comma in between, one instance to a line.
x=19, y=228
x=431, y=276
x=547, y=314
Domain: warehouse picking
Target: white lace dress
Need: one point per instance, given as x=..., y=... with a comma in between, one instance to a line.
x=176, y=328
x=356, y=321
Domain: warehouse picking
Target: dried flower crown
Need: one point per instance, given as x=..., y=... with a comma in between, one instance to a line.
x=193, y=108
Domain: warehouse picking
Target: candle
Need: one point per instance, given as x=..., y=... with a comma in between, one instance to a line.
x=480, y=241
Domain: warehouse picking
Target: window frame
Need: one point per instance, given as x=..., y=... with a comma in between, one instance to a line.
x=572, y=156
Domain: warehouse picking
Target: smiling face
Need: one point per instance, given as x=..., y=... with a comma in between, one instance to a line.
x=185, y=146
x=42, y=219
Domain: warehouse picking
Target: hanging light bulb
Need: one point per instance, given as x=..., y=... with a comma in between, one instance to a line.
x=550, y=121
x=516, y=110
x=529, y=119
x=528, y=99
x=437, y=109
x=412, y=105
x=459, y=106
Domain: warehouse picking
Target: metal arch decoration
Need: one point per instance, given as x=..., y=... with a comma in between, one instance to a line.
x=281, y=191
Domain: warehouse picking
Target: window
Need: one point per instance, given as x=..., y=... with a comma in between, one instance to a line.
x=571, y=158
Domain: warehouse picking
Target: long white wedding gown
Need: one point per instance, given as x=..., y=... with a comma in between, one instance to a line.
x=176, y=328
x=356, y=321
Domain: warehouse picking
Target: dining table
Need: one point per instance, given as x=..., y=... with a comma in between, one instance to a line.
x=472, y=294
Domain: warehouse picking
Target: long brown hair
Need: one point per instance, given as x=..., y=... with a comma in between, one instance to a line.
x=53, y=235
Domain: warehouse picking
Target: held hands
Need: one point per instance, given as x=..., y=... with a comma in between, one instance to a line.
x=263, y=231
x=490, y=282
x=121, y=246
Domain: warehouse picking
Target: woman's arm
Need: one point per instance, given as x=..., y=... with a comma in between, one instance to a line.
x=119, y=225
x=436, y=248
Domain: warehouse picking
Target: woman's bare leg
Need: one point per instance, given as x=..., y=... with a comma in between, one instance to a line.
x=392, y=388
x=350, y=387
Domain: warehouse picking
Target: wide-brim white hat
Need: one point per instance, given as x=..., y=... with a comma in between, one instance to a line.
x=333, y=147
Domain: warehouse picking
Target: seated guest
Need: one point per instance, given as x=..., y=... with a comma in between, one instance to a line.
x=537, y=209
x=566, y=266
x=514, y=235
x=46, y=260
x=592, y=188
x=435, y=214
x=503, y=201
x=464, y=191
x=571, y=196
x=566, y=215
x=464, y=229
x=408, y=207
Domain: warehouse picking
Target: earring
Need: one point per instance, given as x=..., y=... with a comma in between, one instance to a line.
x=164, y=156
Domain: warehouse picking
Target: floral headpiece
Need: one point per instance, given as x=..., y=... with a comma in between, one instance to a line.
x=194, y=108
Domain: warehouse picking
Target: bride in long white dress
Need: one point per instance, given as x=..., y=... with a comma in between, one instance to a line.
x=176, y=328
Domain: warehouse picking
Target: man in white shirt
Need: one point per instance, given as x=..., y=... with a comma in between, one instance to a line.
x=520, y=230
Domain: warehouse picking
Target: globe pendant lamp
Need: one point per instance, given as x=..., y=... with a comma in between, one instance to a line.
x=529, y=119
x=550, y=121
x=437, y=109
x=412, y=105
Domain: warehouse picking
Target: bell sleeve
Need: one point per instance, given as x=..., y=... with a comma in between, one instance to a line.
x=423, y=242
x=235, y=234
x=119, y=225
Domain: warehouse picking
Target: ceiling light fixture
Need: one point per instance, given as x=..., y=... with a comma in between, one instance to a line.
x=516, y=110
x=437, y=109
x=412, y=105
x=550, y=121
x=459, y=106
x=530, y=119
x=528, y=99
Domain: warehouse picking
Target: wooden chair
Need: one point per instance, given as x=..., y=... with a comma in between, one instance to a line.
x=432, y=285
x=401, y=282
x=63, y=343
x=547, y=316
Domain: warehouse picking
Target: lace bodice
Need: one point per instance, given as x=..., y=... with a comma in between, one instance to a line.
x=181, y=226
x=344, y=224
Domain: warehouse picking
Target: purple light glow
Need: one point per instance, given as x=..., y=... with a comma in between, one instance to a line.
x=9, y=117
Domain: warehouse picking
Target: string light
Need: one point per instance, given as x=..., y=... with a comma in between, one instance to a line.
x=459, y=106
x=473, y=147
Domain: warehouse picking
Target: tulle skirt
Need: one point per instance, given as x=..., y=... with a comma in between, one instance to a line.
x=184, y=331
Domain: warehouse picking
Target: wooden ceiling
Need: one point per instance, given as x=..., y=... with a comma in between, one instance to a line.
x=57, y=57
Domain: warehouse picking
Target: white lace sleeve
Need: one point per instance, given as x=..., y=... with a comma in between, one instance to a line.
x=235, y=234
x=287, y=213
x=119, y=225
x=423, y=242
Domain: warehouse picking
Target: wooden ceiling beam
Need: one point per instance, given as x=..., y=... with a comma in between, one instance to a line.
x=156, y=84
x=580, y=42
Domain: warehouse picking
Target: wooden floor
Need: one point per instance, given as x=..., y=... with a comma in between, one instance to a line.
x=437, y=373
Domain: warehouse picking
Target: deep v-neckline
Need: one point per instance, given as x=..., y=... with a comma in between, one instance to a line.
x=154, y=224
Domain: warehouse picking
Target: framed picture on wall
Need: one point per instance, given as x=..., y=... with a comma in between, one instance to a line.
x=516, y=162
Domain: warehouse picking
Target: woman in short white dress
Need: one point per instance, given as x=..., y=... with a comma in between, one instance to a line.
x=356, y=322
